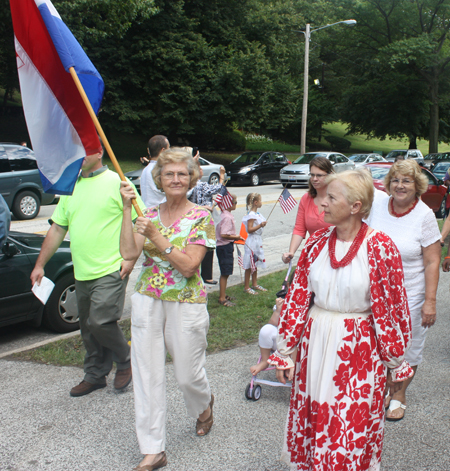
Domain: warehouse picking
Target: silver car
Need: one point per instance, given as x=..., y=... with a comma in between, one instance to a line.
x=298, y=172
x=362, y=159
x=211, y=174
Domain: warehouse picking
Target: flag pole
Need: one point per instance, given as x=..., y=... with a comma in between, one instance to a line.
x=101, y=133
x=276, y=202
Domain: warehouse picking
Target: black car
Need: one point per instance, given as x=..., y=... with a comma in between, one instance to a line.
x=17, y=302
x=20, y=182
x=256, y=167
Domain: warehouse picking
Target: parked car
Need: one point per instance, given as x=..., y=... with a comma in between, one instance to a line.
x=361, y=159
x=440, y=169
x=435, y=197
x=256, y=167
x=20, y=182
x=432, y=159
x=18, y=303
x=298, y=172
x=211, y=174
x=406, y=154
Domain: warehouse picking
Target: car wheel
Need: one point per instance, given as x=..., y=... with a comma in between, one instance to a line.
x=441, y=211
x=254, y=179
x=26, y=205
x=214, y=179
x=61, y=310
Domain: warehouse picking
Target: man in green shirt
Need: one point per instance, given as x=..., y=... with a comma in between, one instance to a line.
x=93, y=217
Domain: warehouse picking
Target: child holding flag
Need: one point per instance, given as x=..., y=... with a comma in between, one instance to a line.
x=226, y=235
x=254, y=223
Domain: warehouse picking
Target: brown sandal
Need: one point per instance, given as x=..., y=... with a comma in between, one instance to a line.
x=226, y=303
x=207, y=424
x=160, y=463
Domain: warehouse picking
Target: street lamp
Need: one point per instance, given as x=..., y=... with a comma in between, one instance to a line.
x=307, y=34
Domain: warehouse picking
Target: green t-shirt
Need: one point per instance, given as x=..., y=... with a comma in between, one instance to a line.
x=93, y=215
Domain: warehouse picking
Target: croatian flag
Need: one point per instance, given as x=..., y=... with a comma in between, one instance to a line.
x=224, y=199
x=287, y=201
x=62, y=132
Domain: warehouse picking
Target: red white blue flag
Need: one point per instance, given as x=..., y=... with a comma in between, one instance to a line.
x=224, y=199
x=62, y=132
x=287, y=201
x=240, y=258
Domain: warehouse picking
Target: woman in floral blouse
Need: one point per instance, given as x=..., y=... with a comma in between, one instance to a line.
x=169, y=306
x=347, y=313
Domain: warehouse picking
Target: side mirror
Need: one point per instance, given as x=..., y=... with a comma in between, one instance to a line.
x=10, y=250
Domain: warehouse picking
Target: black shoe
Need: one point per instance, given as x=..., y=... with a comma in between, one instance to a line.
x=211, y=282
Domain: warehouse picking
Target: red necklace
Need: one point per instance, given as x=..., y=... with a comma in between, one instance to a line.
x=397, y=215
x=352, y=251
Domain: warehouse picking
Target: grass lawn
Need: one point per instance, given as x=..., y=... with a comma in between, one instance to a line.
x=229, y=327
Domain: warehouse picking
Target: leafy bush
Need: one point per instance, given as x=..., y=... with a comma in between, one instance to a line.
x=338, y=144
x=258, y=138
x=233, y=141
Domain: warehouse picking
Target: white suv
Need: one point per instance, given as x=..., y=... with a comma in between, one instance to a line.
x=406, y=154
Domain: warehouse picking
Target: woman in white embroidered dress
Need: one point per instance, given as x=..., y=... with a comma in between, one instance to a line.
x=412, y=225
x=346, y=311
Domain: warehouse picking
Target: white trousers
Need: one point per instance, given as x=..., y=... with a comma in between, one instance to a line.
x=414, y=354
x=157, y=327
x=268, y=337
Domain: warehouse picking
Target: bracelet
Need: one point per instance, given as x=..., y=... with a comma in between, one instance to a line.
x=446, y=257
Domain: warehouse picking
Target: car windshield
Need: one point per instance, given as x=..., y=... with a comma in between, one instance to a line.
x=378, y=173
x=306, y=158
x=441, y=167
x=396, y=153
x=358, y=157
x=247, y=158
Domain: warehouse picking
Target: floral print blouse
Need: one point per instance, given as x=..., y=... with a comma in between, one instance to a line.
x=158, y=279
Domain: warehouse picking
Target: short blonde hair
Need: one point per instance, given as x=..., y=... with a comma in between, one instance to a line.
x=176, y=155
x=358, y=187
x=407, y=168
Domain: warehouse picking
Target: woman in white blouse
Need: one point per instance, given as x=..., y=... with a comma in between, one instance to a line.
x=412, y=225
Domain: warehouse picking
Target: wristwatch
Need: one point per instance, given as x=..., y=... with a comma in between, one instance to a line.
x=169, y=250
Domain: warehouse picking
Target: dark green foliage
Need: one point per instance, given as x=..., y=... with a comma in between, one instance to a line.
x=233, y=141
x=338, y=144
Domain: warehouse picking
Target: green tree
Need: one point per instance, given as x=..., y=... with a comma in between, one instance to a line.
x=398, y=68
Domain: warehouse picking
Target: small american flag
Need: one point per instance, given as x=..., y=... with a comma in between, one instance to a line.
x=224, y=199
x=287, y=201
x=253, y=260
x=240, y=258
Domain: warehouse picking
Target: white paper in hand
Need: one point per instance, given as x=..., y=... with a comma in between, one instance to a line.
x=44, y=290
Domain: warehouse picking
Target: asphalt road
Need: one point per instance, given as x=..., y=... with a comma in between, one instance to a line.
x=276, y=239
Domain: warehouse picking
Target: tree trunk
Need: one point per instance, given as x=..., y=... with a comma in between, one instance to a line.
x=412, y=141
x=434, y=116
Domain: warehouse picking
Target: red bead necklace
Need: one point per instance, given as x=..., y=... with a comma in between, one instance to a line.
x=352, y=251
x=397, y=215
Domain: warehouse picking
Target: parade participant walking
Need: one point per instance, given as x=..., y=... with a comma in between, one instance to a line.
x=346, y=311
x=169, y=307
x=93, y=215
x=412, y=226
x=254, y=223
x=310, y=215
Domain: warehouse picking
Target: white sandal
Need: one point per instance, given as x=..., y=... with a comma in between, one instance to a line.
x=393, y=405
x=250, y=291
